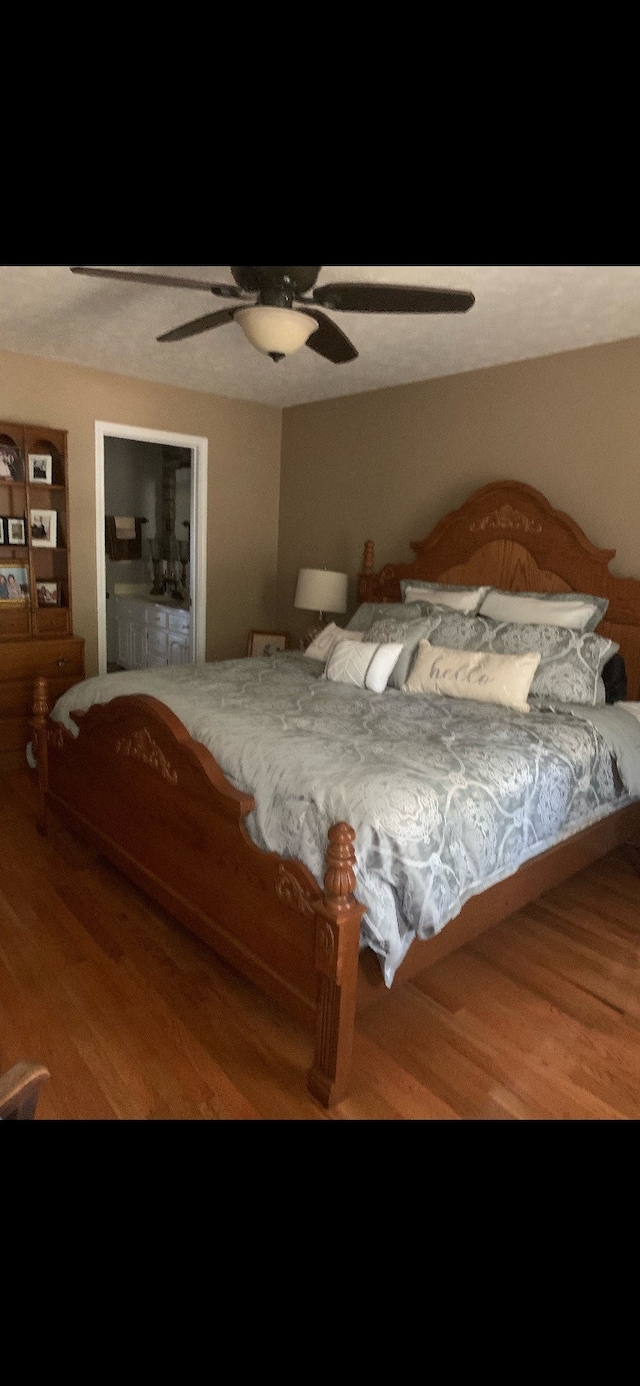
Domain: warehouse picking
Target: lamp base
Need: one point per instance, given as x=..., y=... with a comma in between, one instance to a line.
x=313, y=631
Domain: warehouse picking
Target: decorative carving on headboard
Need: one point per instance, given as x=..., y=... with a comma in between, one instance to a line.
x=507, y=518
x=508, y=535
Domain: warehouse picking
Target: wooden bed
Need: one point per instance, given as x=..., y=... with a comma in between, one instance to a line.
x=157, y=804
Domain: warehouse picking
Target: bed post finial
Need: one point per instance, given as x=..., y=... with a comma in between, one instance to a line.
x=336, y=959
x=39, y=724
x=40, y=701
x=366, y=578
x=339, y=878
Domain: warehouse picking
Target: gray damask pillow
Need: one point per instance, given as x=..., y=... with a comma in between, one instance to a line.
x=571, y=664
x=410, y=632
x=369, y=612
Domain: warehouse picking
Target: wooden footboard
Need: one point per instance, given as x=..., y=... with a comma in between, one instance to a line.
x=157, y=804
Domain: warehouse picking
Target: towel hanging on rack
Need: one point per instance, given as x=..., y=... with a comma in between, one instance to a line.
x=123, y=537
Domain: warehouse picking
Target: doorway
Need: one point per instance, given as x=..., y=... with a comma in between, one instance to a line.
x=151, y=498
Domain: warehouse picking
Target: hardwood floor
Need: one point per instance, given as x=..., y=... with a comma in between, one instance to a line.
x=137, y=1020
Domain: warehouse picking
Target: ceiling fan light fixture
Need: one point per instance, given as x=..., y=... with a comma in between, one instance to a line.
x=275, y=331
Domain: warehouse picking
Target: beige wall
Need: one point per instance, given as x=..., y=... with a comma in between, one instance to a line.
x=387, y=465
x=243, y=495
x=312, y=483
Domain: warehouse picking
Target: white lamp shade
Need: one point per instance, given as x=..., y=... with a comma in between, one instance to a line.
x=280, y=330
x=319, y=590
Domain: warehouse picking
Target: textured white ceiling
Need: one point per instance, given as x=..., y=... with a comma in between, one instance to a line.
x=520, y=312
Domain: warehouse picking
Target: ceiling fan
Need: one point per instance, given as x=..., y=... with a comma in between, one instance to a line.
x=267, y=314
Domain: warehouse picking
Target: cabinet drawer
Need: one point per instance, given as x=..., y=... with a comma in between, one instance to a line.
x=179, y=620
x=15, y=732
x=155, y=616
x=157, y=646
x=125, y=608
x=54, y=623
x=31, y=659
x=16, y=699
x=15, y=620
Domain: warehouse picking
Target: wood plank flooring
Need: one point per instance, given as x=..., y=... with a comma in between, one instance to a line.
x=136, y=1020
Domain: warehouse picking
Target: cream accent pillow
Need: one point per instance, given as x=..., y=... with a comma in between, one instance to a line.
x=486, y=678
x=555, y=610
x=365, y=666
x=324, y=643
x=464, y=599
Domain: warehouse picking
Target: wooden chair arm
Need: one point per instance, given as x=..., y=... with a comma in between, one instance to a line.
x=19, y=1091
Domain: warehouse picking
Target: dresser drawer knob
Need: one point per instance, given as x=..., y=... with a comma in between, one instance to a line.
x=61, y=662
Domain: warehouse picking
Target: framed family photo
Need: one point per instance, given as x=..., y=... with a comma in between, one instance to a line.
x=48, y=593
x=15, y=530
x=12, y=531
x=14, y=584
x=40, y=467
x=11, y=464
x=266, y=642
x=44, y=528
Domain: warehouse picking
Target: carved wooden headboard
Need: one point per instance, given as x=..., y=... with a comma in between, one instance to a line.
x=508, y=535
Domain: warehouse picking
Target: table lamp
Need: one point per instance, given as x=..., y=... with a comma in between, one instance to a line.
x=320, y=591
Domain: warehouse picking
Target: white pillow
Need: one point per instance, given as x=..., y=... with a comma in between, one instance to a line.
x=321, y=647
x=486, y=678
x=364, y=665
x=464, y=599
x=538, y=611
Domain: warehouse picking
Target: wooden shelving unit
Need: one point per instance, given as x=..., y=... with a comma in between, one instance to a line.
x=36, y=639
x=19, y=497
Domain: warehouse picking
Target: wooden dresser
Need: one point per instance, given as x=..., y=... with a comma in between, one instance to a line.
x=36, y=630
x=21, y=662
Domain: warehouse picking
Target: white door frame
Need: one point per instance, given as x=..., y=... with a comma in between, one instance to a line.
x=198, y=531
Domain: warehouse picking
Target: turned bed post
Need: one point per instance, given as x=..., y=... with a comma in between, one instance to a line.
x=366, y=577
x=336, y=958
x=39, y=724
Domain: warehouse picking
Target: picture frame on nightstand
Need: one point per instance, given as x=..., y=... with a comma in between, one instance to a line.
x=267, y=642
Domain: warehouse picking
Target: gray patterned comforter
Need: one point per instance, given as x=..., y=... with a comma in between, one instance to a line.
x=447, y=797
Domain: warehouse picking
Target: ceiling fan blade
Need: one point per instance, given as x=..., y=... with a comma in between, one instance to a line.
x=191, y=329
x=168, y=281
x=392, y=298
x=329, y=340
